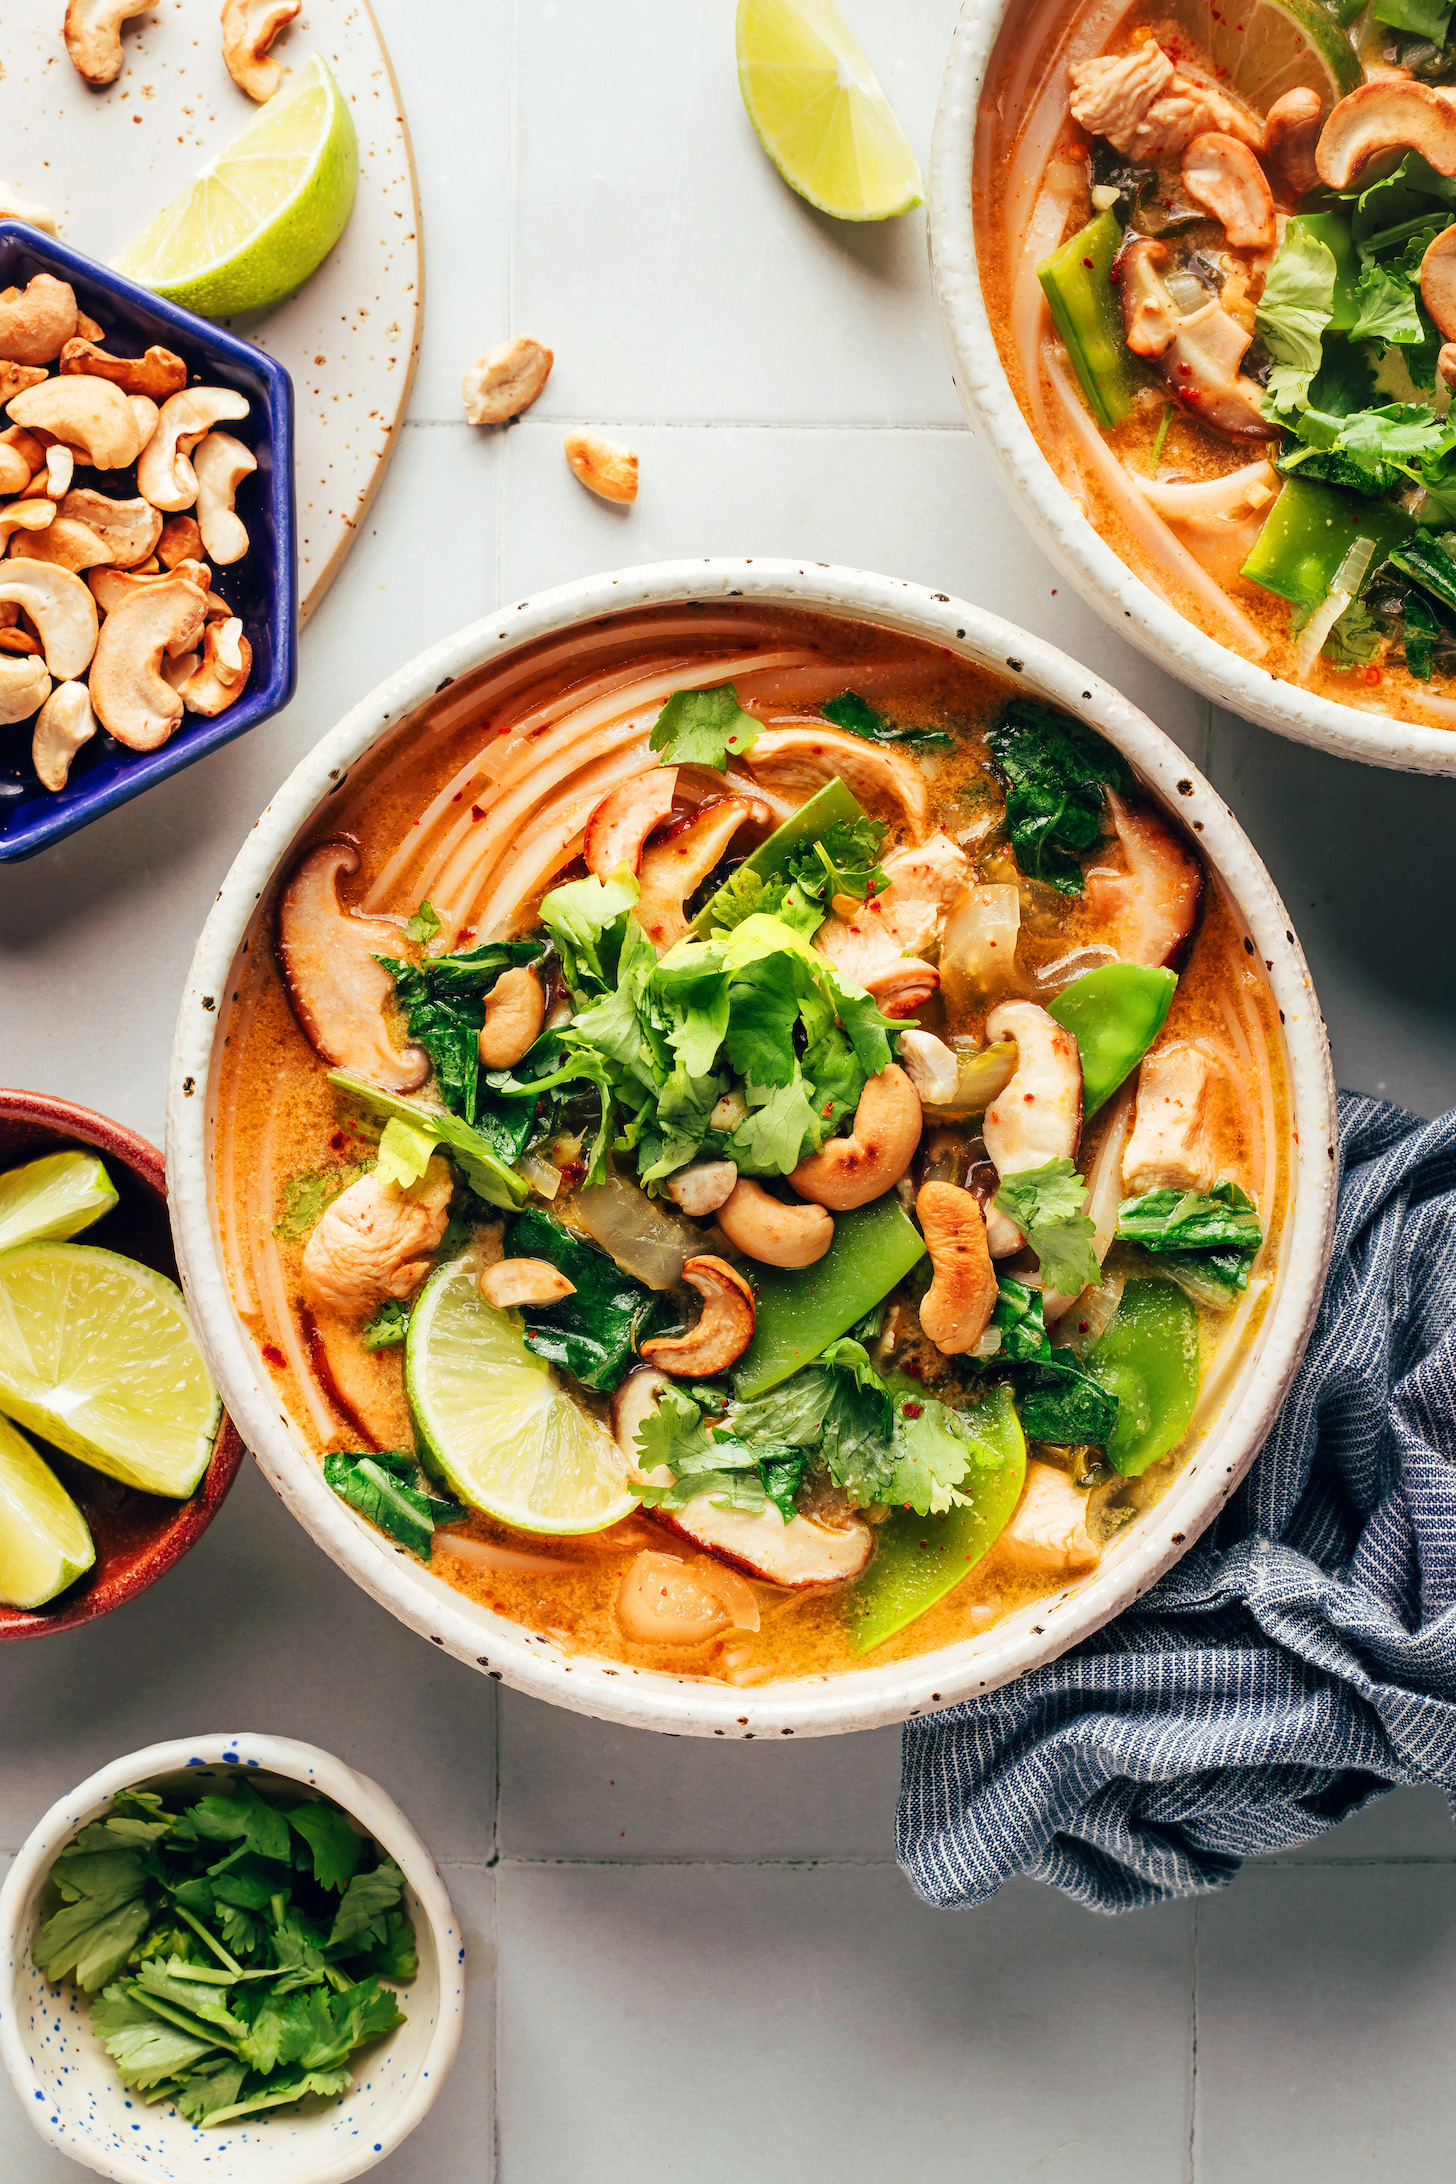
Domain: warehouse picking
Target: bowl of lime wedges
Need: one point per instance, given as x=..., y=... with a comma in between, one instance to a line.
x=115, y=1454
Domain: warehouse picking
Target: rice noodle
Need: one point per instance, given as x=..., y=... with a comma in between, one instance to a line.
x=1036, y=139
x=1029, y=314
x=1151, y=533
x=271, y=1286
x=486, y=1552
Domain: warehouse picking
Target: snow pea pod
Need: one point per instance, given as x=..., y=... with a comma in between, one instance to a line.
x=1076, y=280
x=801, y=1310
x=1148, y=1358
x=1309, y=531
x=918, y=1559
x=825, y=809
x=1114, y=1015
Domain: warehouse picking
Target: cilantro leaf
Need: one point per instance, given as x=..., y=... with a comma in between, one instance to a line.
x=387, y=1326
x=146, y=2048
x=360, y=1917
x=1292, y=314
x=1057, y=773
x=701, y=727
x=1046, y=1205
x=107, y=1910
x=244, y=1817
x=213, y=2086
x=336, y=1847
x=587, y=919
x=780, y=1125
x=858, y=717
x=424, y=925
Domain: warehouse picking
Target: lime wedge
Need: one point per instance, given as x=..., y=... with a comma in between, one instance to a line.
x=56, y=1196
x=44, y=1541
x=265, y=213
x=820, y=113
x=497, y=1424
x=97, y=1354
x=1274, y=46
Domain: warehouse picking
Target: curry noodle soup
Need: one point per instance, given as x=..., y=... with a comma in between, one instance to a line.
x=750, y=1146
x=1218, y=253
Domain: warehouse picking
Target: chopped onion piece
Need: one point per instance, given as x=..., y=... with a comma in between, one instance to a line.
x=734, y=1595
x=1344, y=585
x=978, y=951
x=640, y=1234
x=539, y=1174
x=982, y=1072
x=1052, y=977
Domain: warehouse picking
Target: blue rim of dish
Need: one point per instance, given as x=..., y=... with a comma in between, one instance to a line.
x=262, y=589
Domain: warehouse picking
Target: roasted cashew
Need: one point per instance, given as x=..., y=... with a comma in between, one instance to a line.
x=36, y=321
x=60, y=468
x=931, y=1067
x=227, y=661
x=61, y=608
x=850, y=1171
x=157, y=374
x=221, y=463
x=93, y=35
x=164, y=475
x=25, y=515
x=704, y=1187
x=127, y=688
x=24, y=686
x=179, y=540
x=956, y=1309
x=89, y=415
x=1223, y=176
x=515, y=1010
x=18, y=379
x=506, y=380
x=523, y=1281
x=14, y=207
x=763, y=1227
x=248, y=30
x=64, y=543
x=1381, y=115
x=604, y=468
x=130, y=528
x=64, y=723
x=724, y=1329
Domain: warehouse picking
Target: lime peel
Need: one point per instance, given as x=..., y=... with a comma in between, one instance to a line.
x=820, y=112
x=45, y=1543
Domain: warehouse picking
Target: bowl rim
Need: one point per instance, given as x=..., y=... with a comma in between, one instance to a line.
x=863, y=1698
x=194, y=737
x=362, y=1798
x=1060, y=528
x=192, y=1516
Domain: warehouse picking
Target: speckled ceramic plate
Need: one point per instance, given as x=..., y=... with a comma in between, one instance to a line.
x=812, y=1706
x=66, y=2082
x=105, y=161
x=1054, y=518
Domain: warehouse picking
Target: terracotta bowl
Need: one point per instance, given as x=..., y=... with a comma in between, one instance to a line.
x=138, y=1536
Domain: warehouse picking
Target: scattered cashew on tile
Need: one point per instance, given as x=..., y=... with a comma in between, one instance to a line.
x=249, y=28
x=63, y=724
x=506, y=380
x=604, y=468
x=93, y=35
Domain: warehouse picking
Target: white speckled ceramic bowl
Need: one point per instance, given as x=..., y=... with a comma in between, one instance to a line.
x=1055, y=519
x=66, y=2082
x=531, y=1660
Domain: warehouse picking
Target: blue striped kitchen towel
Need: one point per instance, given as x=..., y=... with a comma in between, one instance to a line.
x=1301, y=1660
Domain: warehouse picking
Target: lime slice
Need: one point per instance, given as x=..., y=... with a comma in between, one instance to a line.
x=97, y=1354
x=819, y=110
x=56, y=1196
x=44, y=1542
x=265, y=213
x=496, y=1422
x=1274, y=46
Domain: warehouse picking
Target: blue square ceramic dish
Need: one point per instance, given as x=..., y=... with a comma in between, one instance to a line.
x=262, y=588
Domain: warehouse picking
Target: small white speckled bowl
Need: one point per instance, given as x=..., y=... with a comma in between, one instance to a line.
x=1055, y=520
x=68, y=2085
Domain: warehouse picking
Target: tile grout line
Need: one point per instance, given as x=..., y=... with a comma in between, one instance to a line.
x=850, y=1861
x=1193, y=2055
x=695, y=424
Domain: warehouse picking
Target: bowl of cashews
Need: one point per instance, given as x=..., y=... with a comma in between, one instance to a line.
x=148, y=587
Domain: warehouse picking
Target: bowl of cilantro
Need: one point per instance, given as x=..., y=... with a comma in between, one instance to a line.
x=228, y=1957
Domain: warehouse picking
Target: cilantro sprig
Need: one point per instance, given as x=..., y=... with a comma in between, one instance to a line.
x=236, y=1945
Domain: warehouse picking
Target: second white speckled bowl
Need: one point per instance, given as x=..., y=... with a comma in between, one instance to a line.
x=68, y=2085
x=1055, y=520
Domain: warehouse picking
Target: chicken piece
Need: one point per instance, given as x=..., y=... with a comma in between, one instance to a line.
x=1048, y=1536
x=1171, y=1147
x=878, y=943
x=1147, y=109
x=375, y=1241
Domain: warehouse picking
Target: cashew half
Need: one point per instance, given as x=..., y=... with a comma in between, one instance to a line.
x=248, y=30
x=931, y=1067
x=25, y=515
x=956, y=1309
x=850, y=1171
x=179, y=540
x=764, y=1228
x=506, y=380
x=704, y=1187
x=523, y=1281
x=221, y=463
x=131, y=528
x=15, y=471
x=1384, y=114
x=1223, y=176
x=60, y=468
x=227, y=662
x=1291, y=132
x=93, y=35
x=64, y=543
x=515, y=1010
x=621, y=823
x=164, y=475
x=61, y=608
x=14, y=207
x=37, y=321
x=65, y=722
x=604, y=468
x=157, y=374
x=724, y=1329
x=18, y=379
x=89, y=415
x=24, y=686
x=127, y=688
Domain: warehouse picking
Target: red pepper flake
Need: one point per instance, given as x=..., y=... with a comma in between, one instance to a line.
x=572, y=1173
x=912, y=1410
x=1372, y=675
x=337, y=1141
x=1088, y=263
x=1083, y=1325
x=459, y=793
x=273, y=1354
x=476, y=812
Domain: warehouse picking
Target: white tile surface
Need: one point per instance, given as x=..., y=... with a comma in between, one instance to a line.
x=714, y=2023
x=588, y=174
x=1323, y=2000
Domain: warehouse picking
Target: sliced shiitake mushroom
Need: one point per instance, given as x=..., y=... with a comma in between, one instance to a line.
x=337, y=990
